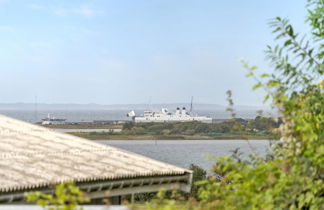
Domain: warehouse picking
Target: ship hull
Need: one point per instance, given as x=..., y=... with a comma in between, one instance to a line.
x=191, y=119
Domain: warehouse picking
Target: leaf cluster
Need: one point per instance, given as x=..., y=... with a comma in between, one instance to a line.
x=66, y=197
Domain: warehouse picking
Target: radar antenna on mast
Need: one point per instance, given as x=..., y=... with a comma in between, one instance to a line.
x=191, y=104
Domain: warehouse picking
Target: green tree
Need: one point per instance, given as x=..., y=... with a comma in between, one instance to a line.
x=202, y=128
x=128, y=125
x=198, y=174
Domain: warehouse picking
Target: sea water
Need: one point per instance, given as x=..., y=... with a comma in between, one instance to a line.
x=182, y=153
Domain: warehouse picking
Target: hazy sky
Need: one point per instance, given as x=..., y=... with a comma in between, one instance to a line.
x=126, y=51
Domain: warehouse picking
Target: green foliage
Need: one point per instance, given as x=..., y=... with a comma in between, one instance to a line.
x=144, y=197
x=66, y=197
x=198, y=174
x=128, y=125
x=263, y=124
x=230, y=103
x=163, y=202
x=230, y=127
x=316, y=20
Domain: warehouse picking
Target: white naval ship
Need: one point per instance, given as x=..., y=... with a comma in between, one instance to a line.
x=180, y=115
x=50, y=120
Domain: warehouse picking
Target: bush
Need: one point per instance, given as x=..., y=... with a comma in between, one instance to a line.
x=199, y=174
x=128, y=125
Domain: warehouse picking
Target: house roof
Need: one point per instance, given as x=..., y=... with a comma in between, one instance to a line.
x=32, y=156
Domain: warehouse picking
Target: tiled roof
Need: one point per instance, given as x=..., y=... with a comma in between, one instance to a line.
x=32, y=156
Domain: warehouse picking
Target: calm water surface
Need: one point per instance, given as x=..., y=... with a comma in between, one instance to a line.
x=184, y=152
x=90, y=115
x=64, y=130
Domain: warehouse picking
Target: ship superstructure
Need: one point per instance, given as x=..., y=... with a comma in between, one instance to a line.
x=50, y=120
x=180, y=115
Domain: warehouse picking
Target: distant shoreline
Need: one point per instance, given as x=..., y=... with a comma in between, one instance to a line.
x=257, y=129
x=236, y=139
x=107, y=137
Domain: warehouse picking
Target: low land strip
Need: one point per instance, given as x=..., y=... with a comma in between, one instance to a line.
x=258, y=128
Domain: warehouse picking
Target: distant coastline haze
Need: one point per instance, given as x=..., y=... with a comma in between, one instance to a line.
x=93, y=106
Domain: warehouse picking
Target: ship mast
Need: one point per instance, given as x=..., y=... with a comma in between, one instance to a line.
x=191, y=104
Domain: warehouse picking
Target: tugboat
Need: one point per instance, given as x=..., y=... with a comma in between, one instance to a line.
x=50, y=120
x=180, y=115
